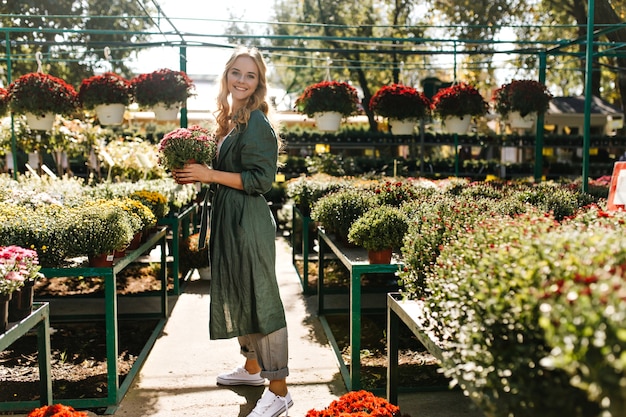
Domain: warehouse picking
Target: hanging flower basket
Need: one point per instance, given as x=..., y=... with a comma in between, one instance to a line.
x=517, y=121
x=164, y=112
x=110, y=114
x=459, y=100
x=457, y=125
x=328, y=121
x=40, y=93
x=328, y=96
x=523, y=96
x=402, y=126
x=400, y=102
x=40, y=121
x=164, y=86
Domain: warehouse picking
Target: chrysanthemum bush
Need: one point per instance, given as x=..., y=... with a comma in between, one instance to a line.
x=400, y=102
x=358, y=404
x=583, y=305
x=305, y=191
x=17, y=266
x=531, y=310
x=165, y=86
x=56, y=410
x=184, y=145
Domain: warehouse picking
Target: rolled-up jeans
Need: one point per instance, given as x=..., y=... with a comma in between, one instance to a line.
x=270, y=350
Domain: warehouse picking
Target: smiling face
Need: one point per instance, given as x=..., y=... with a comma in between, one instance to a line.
x=243, y=79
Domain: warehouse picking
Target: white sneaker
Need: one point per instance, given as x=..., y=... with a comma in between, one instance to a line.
x=240, y=376
x=272, y=405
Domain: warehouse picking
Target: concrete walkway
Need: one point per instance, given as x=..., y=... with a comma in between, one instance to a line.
x=178, y=377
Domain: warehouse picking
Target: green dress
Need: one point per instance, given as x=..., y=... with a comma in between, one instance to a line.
x=244, y=292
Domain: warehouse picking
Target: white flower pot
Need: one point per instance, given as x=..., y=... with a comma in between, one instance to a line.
x=402, y=127
x=40, y=121
x=518, y=122
x=328, y=121
x=458, y=125
x=110, y=114
x=164, y=113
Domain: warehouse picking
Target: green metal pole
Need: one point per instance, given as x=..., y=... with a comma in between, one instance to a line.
x=539, y=132
x=588, y=86
x=9, y=80
x=183, y=67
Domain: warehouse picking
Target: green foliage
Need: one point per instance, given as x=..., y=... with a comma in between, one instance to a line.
x=379, y=228
x=60, y=55
x=582, y=304
x=305, y=191
x=482, y=294
x=337, y=211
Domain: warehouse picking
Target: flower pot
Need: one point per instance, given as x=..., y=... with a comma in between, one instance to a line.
x=518, y=122
x=166, y=113
x=40, y=121
x=379, y=256
x=119, y=253
x=458, y=125
x=328, y=121
x=402, y=127
x=110, y=114
x=4, y=312
x=136, y=242
x=103, y=260
x=21, y=303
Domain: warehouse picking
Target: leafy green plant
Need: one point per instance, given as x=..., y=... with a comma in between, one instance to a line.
x=379, y=228
x=482, y=294
x=337, y=211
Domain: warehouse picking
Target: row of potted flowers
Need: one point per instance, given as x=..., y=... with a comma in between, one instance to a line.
x=40, y=96
x=405, y=103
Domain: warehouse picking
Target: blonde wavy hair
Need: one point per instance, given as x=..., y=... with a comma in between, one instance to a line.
x=258, y=100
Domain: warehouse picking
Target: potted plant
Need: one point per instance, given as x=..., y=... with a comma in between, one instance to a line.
x=358, y=403
x=400, y=103
x=380, y=229
x=185, y=145
x=100, y=229
x=108, y=94
x=328, y=102
x=521, y=101
x=20, y=266
x=163, y=91
x=39, y=97
x=337, y=211
x=455, y=106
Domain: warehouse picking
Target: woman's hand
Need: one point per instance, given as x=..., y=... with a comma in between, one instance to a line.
x=191, y=173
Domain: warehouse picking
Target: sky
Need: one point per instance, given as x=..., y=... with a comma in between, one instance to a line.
x=203, y=17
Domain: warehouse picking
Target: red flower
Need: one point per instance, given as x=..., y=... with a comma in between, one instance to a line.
x=328, y=96
x=108, y=88
x=40, y=93
x=398, y=101
x=358, y=404
x=524, y=96
x=459, y=100
x=56, y=410
x=162, y=86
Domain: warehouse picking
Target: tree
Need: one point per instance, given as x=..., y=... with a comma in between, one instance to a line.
x=331, y=40
x=70, y=42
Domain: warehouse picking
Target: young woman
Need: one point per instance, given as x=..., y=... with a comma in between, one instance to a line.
x=245, y=301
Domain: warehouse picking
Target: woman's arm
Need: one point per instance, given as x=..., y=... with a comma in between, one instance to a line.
x=202, y=173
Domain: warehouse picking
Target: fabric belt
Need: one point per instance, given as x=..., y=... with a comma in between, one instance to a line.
x=204, y=219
